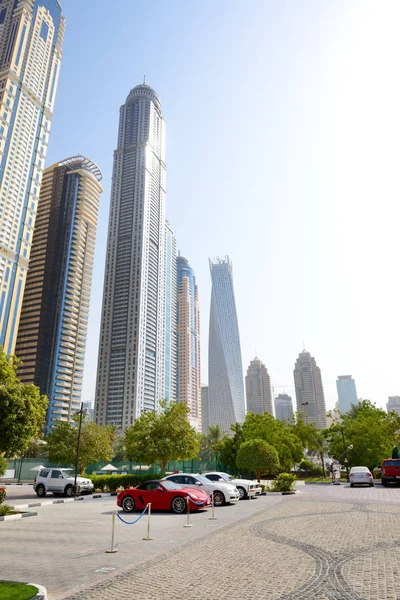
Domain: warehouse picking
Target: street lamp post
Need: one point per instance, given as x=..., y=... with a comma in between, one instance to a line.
x=80, y=412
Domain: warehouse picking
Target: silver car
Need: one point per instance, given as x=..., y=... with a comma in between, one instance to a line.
x=246, y=487
x=361, y=475
x=224, y=493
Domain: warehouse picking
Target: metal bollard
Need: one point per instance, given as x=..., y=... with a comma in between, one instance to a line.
x=213, y=517
x=113, y=548
x=148, y=522
x=188, y=523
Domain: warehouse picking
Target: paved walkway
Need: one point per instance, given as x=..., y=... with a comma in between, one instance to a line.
x=301, y=548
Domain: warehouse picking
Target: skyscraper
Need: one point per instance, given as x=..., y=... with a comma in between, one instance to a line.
x=170, y=315
x=131, y=363
x=188, y=341
x=284, y=408
x=347, y=394
x=225, y=373
x=309, y=390
x=54, y=317
x=204, y=409
x=31, y=35
x=393, y=404
x=258, y=388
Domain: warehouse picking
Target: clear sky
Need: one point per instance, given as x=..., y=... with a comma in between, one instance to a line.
x=283, y=129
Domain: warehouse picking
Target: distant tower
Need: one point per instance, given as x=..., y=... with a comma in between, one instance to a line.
x=204, y=409
x=309, y=390
x=188, y=342
x=258, y=388
x=225, y=387
x=55, y=312
x=347, y=393
x=131, y=362
x=170, y=355
x=284, y=408
x=31, y=37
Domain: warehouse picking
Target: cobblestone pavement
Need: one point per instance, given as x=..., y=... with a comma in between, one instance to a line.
x=301, y=548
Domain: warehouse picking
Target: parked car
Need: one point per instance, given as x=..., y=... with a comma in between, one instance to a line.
x=390, y=471
x=60, y=481
x=246, y=487
x=360, y=475
x=224, y=493
x=163, y=495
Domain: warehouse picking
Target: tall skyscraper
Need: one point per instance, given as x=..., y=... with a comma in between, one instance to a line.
x=284, y=408
x=258, y=388
x=225, y=373
x=31, y=35
x=309, y=390
x=188, y=340
x=54, y=317
x=204, y=409
x=347, y=394
x=393, y=404
x=131, y=363
x=170, y=315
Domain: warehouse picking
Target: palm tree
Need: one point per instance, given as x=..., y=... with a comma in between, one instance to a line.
x=215, y=437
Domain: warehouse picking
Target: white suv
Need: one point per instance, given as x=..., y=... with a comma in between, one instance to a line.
x=223, y=492
x=246, y=487
x=60, y=481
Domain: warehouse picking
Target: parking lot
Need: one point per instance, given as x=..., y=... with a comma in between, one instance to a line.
x=64, y=547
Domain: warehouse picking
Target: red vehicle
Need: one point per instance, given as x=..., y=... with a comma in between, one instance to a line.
x=390, y=471
x=163, y=495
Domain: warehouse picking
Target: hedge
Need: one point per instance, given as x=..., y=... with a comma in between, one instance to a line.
x=112, y=483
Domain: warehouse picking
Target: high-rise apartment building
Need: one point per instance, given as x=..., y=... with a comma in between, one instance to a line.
x=284, y=408
x=347, y=393
x=188, y=342
x=54, y=317
x=170, y=355
x=31, y=35
x=204, y=409
x=225, y=373
x=131, y=363
x=258, y=388
x=309, y=390
x=393, y=404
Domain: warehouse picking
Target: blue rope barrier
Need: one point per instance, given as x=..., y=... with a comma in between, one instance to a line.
x=136, y=520
x=200, y=503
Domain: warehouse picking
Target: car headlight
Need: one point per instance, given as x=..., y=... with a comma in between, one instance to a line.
x=193, y=496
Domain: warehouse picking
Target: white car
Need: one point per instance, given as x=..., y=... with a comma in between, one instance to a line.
x=60, y=481
x=361, y=475
x=246, y=487
x=224, y=493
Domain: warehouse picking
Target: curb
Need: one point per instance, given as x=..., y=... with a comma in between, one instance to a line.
x=64, y=500
x=20, y=516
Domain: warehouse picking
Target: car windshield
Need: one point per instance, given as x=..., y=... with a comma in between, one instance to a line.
x=170, y=485
x=68, y=472
x=203, y=479
x=226, y=476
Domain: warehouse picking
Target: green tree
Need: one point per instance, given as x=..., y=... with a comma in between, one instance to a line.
x=22, y=409
x=259, y=457
x=370, y=430
x=96, y=443
x=158, y=437
x=229, y=447
x=277, y=433
x=3, y=465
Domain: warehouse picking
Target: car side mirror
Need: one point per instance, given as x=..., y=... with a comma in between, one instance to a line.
x=220, y=479
x=159, y=490
x=198, y=483
x=60, y=477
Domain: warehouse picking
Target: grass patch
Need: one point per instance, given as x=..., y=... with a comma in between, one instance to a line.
x=17, y=591
x=6, y=509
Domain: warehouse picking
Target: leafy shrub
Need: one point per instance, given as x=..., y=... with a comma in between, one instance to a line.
x=111, y=483
x=310, y=468
x=3, y=465
x=283, y=483
x=6, y=509
x=3, y=493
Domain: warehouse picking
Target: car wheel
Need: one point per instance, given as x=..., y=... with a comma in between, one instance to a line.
x=178, y=505
x=219, y=499
x=128, y=504
x=69, y=491
x=352, y=485
x=40, y=491
x=384, y=483
x=242, y=493
x=371, y=485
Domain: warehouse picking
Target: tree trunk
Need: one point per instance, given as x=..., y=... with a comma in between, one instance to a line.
x=258, y=475
x=163, y=466
x=321, y=454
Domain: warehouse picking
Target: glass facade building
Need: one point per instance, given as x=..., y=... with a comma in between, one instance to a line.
x=31, y=36
x=131, y=361
x=284, y=408
x=309, y=390
x=347, y=393
x=55, y=311
x=188, y=342
x=170, y=315
x=258, y=388
x=226, y=399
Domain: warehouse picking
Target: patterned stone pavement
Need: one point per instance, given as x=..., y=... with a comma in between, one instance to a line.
x=301, y=548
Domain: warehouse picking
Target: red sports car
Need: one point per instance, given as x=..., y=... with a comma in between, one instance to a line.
x=164, y=495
